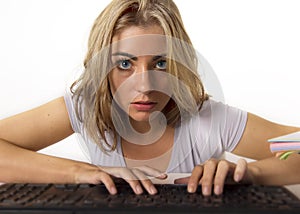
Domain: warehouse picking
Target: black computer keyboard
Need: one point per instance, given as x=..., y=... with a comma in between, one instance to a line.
x=84, y=198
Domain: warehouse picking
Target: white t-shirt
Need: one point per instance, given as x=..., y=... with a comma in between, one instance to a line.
x=217, y=128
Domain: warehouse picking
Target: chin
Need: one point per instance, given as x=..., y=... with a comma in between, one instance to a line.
x=140, y=117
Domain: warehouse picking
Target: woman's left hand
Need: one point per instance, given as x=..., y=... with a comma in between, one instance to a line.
x=213, y=174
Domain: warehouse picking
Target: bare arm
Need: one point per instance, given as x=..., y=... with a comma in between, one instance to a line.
x=19, y=165
x=273, y=171
x=254, y=142
x=37, y=128
x=268, y=169
x=25, y=133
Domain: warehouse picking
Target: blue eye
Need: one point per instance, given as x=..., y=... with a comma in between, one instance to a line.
x=162, y=64
x=124, y=64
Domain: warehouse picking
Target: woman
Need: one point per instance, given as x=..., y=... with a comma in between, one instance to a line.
x=142, y=111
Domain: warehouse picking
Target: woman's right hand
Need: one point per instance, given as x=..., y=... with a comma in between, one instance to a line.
x=136, y=177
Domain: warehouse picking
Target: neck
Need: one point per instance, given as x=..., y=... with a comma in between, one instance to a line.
x=145, y=132
x=156, y=121
x=155, y=150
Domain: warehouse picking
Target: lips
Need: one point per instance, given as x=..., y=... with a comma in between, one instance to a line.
x=144, y=102
x=143, y=105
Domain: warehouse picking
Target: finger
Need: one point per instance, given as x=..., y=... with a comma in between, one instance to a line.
x=208, y=176
x=240, y=170
x=147, y=184
x=195, y=178
x=132, y=180
x=152, y=172
x=127, y=175
x=182, y=180
x=107, y=181
x=223, y=169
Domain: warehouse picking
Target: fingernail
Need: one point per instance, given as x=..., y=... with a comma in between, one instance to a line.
x=191, y=188
x=218, y=190
x=113, y=190
x=163, y=176
x=138, y=189
x=153, y=190
x=205, y=190
x=237, y=177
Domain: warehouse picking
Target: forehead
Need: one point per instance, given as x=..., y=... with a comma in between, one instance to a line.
x=140, y=41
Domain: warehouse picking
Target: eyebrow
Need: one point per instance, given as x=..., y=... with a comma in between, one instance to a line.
x=135, y=57
x=125, y=54
x=159, y=56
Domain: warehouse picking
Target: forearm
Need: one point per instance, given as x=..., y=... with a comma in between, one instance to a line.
x=273, y=171
x=20, y=165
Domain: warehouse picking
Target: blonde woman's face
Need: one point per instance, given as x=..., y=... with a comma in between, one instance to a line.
x=137, y=80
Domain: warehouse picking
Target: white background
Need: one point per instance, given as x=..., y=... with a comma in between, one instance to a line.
x=253, y=47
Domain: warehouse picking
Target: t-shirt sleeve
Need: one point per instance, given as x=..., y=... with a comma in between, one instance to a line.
x=227, y=124
x=75, y=123
x=234, y=126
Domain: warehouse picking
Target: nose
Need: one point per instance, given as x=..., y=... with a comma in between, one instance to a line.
x=143, y=79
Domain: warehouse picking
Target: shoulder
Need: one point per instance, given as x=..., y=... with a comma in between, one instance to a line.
x=72, y=110
x=218, y=111
x=218, y=121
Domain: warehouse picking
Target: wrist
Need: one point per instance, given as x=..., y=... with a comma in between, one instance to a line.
x=253, y=173
x=81, y=172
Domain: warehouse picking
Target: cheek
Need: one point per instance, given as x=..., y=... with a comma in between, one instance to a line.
x=121, y=89
x=164, y=99
x=115, y=81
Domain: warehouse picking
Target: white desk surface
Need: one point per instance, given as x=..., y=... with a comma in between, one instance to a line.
x=295, y=189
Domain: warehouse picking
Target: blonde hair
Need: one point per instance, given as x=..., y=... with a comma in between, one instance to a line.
x=91, y=91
